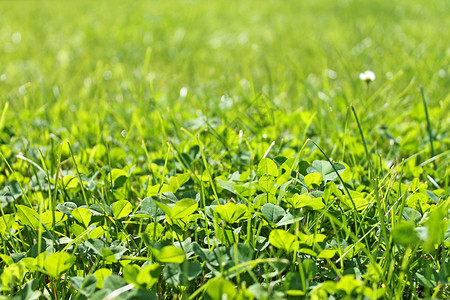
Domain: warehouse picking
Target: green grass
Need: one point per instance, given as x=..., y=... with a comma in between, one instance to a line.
x=217, y=150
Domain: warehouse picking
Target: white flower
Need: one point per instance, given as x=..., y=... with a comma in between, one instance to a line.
x=183, y=92
x=367, y=76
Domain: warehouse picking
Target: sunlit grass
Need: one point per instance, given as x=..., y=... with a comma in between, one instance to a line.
x=253, y=150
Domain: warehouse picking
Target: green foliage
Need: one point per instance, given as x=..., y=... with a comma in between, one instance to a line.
x=171, y=150
x=58, y=262
x=121, y=209
x=283, y=240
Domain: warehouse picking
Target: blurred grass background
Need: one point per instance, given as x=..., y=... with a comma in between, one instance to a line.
x=88, y=70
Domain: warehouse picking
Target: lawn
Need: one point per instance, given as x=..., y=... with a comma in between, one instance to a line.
x=224, y=150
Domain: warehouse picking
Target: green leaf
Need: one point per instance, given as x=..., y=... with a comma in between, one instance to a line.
x=157, y=190
x=267, y=167
x=220, y=288
x=173, y=275
x=273, y=212
x=121, y=209
x=436, y=225
x=294, y=284
x=259, y=292
x=411, y=215
x=311, y=239
x=66, y=208
x=432, y=196
x=313, y=179
x=10, y=193
x=34, y=263
x=266, y=183
x=149, y=206
x=96, y=233
x=96, y=245
x=101, y=274
x=152, y=232
x=181, y=274
x=308, y=251
x=6, y=222
x=7, y=259
x=170, y=254
x=326, y=169
x=327, y=253
x=98, y=152
x=149, y=275
x=404, y=234
x=225, y=235
x=113, y=253
x=427, y=277
x=183, y=208
x=175, y=182
x=299, y=201
x=360, y=203
x=47, y=218
x=283, y=240
x=86, y=286
x=347, y=284
x=263, y=199
x=244, y=253
x=226, y=185
x=231, y=212
x=27, y=216
x=130, y=273
x=310, y=268
x=77, y=229
x=113, y=282
x=101, y=294
x=289, y=219
x=58, y=262
x=70, y=182
x=119, y=177
x=82, y=215
x=418, y=201
x=29, y=291
x=165, y=208
x=108, y=255
x=89, y=285
x=12, y=274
